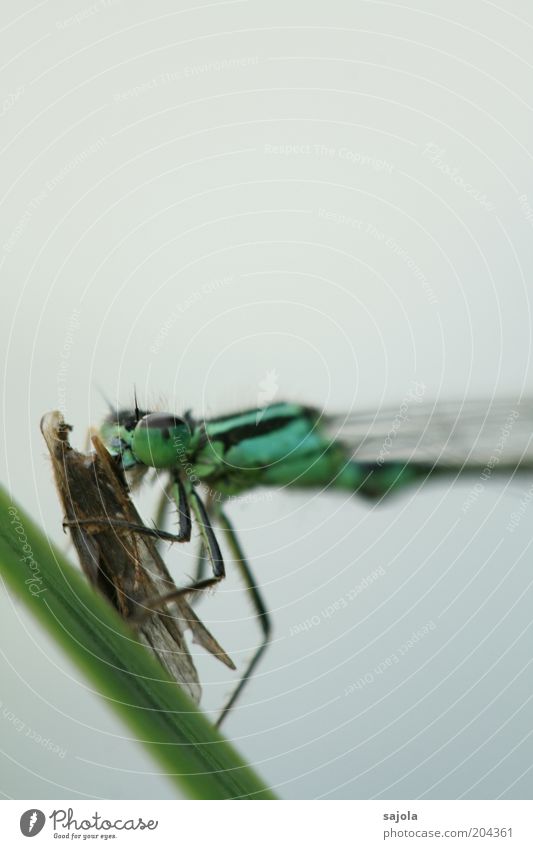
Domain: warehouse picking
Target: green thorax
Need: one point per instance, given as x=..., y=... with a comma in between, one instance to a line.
x=277, y=445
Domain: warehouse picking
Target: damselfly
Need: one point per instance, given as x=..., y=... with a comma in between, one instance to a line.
x=291, y=445
x=118, y=554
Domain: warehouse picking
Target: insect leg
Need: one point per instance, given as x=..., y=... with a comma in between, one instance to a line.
x=101, y=523
x=258, y=604
x=189, y=496
x=201, y=562
x=152, y=605
x=160, y=517
x=209, y=539
x=201, y=558
x=184, y=514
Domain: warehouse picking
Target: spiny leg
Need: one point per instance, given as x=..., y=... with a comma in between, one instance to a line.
x=209, y=539
x=177, y=492
x=103, y=523
x=258, y=604
x=174, y=492
x=201, y=562
x=184, y=513
x=163, y=506
x=201, y=557
x=186, y=499
x=184, y=531
x=153, y=605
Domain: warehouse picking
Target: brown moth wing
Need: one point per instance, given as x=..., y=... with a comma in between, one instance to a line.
x=121, y=561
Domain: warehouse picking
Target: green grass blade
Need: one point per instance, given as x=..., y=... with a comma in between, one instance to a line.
x=163, y=718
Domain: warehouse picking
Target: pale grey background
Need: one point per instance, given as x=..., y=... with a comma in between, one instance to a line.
x=194, y=198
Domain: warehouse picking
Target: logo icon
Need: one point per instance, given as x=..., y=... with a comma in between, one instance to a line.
x=268, y=389
x=32, y=822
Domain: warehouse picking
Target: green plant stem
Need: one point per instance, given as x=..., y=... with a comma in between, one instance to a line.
x=192, y=752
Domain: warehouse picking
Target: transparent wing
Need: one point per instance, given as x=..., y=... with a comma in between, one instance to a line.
x=452, y=433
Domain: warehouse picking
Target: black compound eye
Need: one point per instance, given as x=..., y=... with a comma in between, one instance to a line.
x=165, y=423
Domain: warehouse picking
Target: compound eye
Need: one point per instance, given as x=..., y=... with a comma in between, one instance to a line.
x=160, y=440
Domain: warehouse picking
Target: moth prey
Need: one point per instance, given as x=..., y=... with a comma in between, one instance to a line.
x=119, y=556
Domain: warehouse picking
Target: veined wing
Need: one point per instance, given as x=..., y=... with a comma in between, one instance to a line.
x=446, y=433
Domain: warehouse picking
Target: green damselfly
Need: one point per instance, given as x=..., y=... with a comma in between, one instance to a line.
x=291, y=445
